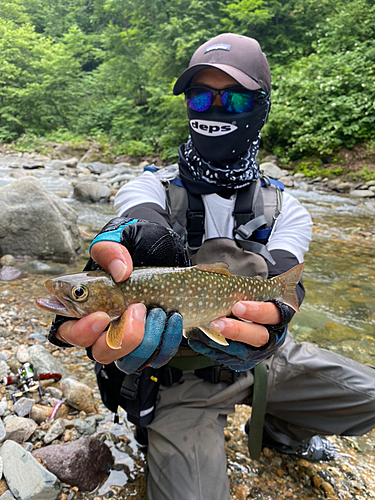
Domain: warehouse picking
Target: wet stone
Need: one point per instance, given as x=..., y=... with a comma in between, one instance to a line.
x=19, y=428
x=55, y=431
x=23, y=406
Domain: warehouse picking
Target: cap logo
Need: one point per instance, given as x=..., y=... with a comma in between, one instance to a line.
x=218, y=46
x=212, y=129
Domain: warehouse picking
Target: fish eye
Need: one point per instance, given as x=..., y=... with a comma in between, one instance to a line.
x=80, y=293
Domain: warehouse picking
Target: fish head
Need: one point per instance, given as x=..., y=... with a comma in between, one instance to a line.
x=77, y=295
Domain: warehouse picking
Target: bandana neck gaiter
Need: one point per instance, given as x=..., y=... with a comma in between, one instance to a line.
x=221, y=149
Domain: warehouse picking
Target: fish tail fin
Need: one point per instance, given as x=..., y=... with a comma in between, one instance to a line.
x=288, y=282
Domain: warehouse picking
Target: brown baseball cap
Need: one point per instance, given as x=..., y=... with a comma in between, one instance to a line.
x=236, y=55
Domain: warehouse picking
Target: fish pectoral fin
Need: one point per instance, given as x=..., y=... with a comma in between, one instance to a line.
x=215, y=336
x=217, y=267
x=115, y=331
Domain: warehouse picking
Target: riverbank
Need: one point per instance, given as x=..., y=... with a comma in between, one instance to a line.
x=349, y=477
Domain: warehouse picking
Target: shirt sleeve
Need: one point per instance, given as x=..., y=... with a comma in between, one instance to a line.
x=146, y=188
x=293, y=228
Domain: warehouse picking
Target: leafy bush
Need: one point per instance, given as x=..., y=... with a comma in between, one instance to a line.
x=326, y=102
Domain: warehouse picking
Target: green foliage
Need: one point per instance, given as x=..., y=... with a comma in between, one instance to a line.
x=324, y=103
x=106, y=68
x=315, y=168
x=364, y=175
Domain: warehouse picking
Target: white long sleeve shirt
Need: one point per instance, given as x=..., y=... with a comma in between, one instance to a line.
x=292, y=232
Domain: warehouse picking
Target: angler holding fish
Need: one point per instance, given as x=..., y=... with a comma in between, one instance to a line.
x=215, y=207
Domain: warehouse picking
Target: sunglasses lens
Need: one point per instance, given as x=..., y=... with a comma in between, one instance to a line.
x=198, y=99
x=237, y=102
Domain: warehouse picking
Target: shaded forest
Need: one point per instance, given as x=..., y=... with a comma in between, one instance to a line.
x=106, y=69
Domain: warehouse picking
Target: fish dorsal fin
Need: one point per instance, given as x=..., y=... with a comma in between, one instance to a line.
x=217, y=267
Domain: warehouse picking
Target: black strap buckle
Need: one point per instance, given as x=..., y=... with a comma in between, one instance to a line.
x=217, y=374
x=129, y=387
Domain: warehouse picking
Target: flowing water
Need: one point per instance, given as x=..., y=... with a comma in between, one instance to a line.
x=338, y=312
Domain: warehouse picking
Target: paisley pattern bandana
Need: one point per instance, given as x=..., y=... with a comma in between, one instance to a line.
x=233, y=174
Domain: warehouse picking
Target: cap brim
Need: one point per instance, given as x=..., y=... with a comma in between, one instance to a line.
x=183, y=81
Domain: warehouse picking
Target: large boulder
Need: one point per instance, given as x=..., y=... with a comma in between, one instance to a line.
x=36, y=224
x=84, y=463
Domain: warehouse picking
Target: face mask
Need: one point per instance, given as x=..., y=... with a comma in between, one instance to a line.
x=220, y=136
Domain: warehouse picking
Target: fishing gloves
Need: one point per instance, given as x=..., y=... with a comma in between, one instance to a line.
x=239, y=356
x=149, y=244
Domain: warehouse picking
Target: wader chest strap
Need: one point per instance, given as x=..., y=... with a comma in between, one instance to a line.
x=195, y=220
x=258, y=410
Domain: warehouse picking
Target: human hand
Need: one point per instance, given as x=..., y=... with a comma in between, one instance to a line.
x=254, y=333
x=249, y=343
x=152, y=340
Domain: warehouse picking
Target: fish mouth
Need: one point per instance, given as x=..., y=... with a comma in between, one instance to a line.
x=57, y=306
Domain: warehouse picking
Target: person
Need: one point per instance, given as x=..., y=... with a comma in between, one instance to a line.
x=216, y=206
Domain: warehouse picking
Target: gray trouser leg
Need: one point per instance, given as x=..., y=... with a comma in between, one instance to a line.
x=186, y=455
x=314, y=391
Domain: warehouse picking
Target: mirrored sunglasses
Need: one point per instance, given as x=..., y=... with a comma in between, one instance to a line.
x=234, y=100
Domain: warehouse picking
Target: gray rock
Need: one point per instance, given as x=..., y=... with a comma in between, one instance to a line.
x=4, y=369
x=2, y=431
x=7, y=495
x=370, y=183
x=39, y=267
x=43, y=361
x=270, y=158
x=333, y=183
x=19, y=428
x=3, y=407
x=287, y=181
x=83, y=426
x=343, y=187
x=32, y=165
x=94, y=192
x=71, y=162
x=26, y=477
x=271, y=170
x=299, y=176
x=37, y=224
x=357, y=193
x=23, y=406
x=83, y=463
x=97, y=167
x=56, y=430
x=55, y=164
x=54, y=392
x=4, y=332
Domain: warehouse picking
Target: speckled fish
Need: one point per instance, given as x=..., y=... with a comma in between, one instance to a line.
x=200, y=294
